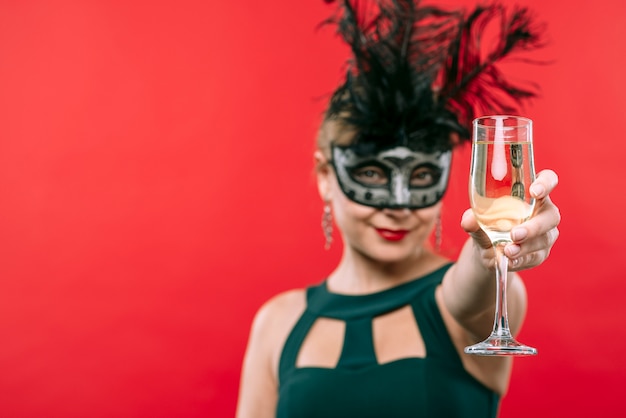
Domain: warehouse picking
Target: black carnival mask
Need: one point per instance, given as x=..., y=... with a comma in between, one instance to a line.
x=395, y=177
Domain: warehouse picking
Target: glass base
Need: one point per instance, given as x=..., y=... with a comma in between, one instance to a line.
x=500, y=346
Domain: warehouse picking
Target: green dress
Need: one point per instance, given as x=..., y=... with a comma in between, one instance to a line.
x=436, y=386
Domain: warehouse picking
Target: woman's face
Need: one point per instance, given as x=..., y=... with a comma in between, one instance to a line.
x=386, y=200
x=385, y=235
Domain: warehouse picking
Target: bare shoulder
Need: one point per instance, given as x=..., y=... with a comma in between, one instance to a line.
x=280, y=310
x=270, y=329
x=275, y=319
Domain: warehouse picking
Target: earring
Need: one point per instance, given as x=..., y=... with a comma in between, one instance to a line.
x=327, y=225
x=438, y=237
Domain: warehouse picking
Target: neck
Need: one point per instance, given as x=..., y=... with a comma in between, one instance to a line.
x=359, y=274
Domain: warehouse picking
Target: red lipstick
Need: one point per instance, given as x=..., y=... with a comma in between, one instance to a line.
x=392, y=235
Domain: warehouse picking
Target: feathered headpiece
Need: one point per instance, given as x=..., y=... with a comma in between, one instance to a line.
x=418, y=73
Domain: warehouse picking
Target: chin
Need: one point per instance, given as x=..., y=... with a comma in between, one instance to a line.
x=392, y=253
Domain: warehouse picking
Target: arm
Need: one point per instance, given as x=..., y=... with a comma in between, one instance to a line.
x=258, y=392
x=469, y=287
x=466, y=297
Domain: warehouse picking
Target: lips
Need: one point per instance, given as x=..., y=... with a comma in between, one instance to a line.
x=392, y=234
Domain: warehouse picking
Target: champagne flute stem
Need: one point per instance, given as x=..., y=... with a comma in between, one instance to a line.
x=501, y=342
x=501, y=321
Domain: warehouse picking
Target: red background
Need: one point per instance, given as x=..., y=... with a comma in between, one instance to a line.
x=156, y=187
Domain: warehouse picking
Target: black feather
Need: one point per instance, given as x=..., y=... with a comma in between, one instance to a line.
x=417, y=74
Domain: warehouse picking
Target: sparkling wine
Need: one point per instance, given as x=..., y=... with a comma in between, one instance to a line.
x=500, y=214
x=502, y=171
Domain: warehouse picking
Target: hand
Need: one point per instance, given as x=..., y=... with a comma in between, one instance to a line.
x=532, y=240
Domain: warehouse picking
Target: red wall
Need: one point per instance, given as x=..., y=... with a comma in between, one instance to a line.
x=156, y=188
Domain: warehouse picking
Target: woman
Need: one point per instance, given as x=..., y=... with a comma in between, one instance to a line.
x=384, y=335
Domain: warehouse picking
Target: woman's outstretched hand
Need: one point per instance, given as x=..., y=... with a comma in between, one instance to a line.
x=533, y=239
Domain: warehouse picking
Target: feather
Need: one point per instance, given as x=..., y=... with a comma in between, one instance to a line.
x=387, y=94
x=417, y=75
x=472, y=84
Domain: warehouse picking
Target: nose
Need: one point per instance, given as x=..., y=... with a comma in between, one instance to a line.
x=397, y=212
x=400, y=190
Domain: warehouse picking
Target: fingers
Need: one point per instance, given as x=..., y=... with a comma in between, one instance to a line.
x=547, y=218
x=544, y=183
x=533, y=252
x=469, y=224
x=533, y=240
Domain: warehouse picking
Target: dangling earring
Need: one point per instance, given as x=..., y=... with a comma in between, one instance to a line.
x=327, y=225
x=438, y=233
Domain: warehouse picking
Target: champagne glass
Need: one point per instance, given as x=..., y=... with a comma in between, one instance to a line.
x=501, y=172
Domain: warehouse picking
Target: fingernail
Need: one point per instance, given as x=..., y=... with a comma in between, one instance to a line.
x=513, y=250
x=518, y=234
x=537, y=190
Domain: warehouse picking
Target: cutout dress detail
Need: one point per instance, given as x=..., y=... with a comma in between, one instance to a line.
x=436, y=385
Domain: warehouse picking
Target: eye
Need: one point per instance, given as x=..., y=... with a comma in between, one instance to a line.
x=370, y=175
x=425, y=176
